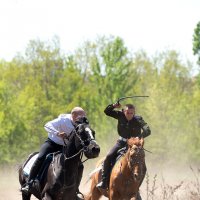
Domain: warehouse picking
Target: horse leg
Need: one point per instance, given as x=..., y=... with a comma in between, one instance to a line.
x=136, y=197
x=139, y=196
x=114, y=195
x=94, y=193
x=47, y=197
x=26, y=196
x=79, y=177
x=133, y=198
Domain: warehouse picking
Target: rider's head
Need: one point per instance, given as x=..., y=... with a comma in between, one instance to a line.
x=129, y=111
x=77, y=112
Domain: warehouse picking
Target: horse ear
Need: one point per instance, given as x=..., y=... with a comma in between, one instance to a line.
x=93, y=133
x=85, y=120
x=82, y=120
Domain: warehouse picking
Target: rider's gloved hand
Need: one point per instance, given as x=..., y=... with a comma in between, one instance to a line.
x=62, y=134
x=117, y=105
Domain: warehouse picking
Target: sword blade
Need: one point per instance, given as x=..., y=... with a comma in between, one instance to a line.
x=122, y=98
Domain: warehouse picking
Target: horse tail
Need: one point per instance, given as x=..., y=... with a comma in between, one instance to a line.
x=98, y=168
x=20, y=174
x=100, y=162
x=91, y=174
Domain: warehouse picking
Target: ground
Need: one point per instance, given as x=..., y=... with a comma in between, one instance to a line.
x=169, y=181
x=9, y=185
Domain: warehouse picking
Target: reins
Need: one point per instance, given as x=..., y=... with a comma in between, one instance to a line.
x=80, y=151
x=133, y=161
x=147, y=150
x=65, y=186
x=65, y=144
x=73, y=156
x=136, y=159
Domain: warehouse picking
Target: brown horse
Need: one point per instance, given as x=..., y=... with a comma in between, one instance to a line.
x=126, y=176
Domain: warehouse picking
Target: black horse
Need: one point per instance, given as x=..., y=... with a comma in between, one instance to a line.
x=64, y=173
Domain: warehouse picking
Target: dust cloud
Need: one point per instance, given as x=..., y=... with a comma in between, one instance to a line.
x=10, y=187
x=171, y=175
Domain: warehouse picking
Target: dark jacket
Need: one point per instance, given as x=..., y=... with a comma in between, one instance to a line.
x=136, y=127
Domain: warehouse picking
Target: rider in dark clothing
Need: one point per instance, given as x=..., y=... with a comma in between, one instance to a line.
x=128, y=126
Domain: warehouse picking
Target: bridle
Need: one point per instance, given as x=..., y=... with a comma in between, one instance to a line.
x=80, y=152
x=84, y=147
x=136, y=159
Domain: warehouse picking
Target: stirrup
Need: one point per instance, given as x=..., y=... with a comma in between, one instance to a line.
x=25, y=189
x=102, y=185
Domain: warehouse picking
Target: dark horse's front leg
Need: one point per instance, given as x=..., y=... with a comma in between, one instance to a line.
x=26, y=196
x=137, y=197
x=47, y=197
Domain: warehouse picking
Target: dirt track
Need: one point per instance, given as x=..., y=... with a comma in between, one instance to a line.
x=9, y=186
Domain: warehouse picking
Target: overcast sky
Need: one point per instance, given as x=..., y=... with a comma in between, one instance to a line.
x=152, y=25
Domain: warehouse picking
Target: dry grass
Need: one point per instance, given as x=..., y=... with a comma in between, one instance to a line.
x=160, y=190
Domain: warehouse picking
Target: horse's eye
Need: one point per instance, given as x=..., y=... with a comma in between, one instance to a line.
x=132, y=150
x=86, y=142
x=82, y=134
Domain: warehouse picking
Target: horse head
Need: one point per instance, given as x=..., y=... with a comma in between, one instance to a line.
x=86, y=138
x=136, y=157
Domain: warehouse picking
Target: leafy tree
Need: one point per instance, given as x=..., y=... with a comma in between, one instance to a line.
x=196, y=41
x=43, y=83
x=106, y=68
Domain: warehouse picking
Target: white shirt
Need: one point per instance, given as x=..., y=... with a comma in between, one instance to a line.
x=61, y=124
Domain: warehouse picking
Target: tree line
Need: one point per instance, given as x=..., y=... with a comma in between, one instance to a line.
x=39, y=84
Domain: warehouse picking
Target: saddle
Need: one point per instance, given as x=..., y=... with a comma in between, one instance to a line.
x=42, y=173
x=43, y=170
x=120, y=153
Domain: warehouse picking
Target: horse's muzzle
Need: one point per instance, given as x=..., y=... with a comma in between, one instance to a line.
x=136, y=177
x=92, y=150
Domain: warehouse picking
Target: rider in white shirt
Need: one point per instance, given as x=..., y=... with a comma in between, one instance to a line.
x=61, y=124
x=57, y=129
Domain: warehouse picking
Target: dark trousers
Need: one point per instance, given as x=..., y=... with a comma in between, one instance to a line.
x=48, y=147
x=111, y=156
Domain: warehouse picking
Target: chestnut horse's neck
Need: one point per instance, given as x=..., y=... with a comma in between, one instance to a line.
x=124, y=161
x=131, y=164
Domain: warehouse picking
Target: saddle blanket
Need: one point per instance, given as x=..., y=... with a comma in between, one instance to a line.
x=29, y=164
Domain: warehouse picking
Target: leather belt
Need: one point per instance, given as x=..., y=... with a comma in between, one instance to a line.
x=123, y=139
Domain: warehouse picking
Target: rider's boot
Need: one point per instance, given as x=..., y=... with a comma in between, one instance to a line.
x=79, y=195
x=32, y=176
x=104, y=180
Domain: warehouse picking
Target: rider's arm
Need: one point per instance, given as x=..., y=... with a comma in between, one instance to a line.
x=144, y=126
x=109, y=110
x=52, y=127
